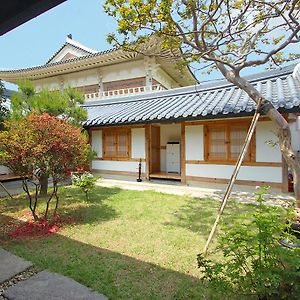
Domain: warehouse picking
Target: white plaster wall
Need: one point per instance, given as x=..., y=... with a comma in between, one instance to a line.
x=264, y=152
x=123, y=166
x=97, y=142
x=162, y=77
x=194, y=142
x=123, y=71
x=82, y=78
x=168, y=133
x=51, y=84
x=255, y=173
x=138, y=143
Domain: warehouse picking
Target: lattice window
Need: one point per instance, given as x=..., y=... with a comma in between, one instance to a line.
x=224, y=142
x=217, y=143
x=116, y=143
x=122, y=143
x=237, y=139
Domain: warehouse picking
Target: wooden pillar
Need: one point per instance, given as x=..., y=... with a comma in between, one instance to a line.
x=182, y=154
x=100, y=84
x=284, y=184
x=147, y=151
x=90, y=142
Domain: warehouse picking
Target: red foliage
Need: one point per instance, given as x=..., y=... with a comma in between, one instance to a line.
x=34, y=229
x=31, y=229
x=44, y=143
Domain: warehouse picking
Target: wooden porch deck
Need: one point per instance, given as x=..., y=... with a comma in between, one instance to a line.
x=9, y=177
x=165, y=175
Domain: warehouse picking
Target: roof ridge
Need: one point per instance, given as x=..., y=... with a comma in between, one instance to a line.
x=61, y=61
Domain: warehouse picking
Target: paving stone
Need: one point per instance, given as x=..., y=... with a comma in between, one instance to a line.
x=11, y=265
x=51, y=286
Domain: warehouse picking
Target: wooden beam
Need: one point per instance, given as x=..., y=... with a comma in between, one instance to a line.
x=182, y=154
x=224, y=162
x=225, y=181
x=121, y=173
x=147, y=151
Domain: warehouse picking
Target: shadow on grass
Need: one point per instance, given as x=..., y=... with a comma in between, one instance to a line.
x=72, y=205
x=198, y=215
x=113, y=274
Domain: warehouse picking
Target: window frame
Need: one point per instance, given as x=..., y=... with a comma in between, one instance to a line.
x=116, y=132
x=228, y=126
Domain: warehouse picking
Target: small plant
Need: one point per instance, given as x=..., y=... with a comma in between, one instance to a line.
x=255, y=262
x=86, y=181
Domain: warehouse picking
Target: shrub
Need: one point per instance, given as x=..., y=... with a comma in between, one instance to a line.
x=38, y=146
x=86, y=181
x=255, y=262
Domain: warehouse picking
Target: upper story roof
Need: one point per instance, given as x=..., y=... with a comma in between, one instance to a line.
x=74, y=57
x=72, y=47
x=216, y=99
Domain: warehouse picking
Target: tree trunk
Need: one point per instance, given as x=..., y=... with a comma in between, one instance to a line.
x=283, y=129
x=291, y=159
x=44, y=185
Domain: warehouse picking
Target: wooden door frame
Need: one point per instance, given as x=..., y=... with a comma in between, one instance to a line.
x=150, y=147
x=182, y=154
x=147, y=148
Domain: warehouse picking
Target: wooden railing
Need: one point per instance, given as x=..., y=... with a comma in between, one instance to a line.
x=123, y=92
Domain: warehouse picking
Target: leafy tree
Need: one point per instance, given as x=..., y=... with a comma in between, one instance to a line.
x=65, y=105
x=254, y=262
x=4, y=112
x=42, y=144
x=229, y=36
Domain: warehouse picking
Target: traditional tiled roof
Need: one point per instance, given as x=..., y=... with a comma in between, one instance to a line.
x=47, y=65
x=91, y=59
x=217, y=99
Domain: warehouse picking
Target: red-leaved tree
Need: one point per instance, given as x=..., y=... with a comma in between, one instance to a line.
x=39, y=145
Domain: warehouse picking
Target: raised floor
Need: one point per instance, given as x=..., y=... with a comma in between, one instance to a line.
x=165, y=175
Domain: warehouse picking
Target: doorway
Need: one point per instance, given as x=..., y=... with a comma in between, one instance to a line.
x=154, y=149
x=161, y=137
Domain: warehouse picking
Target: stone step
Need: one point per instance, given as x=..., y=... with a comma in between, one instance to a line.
x=51, y=286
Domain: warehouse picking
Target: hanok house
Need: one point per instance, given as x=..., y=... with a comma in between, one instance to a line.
x=144, y=109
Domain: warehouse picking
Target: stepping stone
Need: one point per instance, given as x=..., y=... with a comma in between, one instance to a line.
x=51, y=286
x=11, y=265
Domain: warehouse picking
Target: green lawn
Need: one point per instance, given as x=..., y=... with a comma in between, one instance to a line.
x=124, y=244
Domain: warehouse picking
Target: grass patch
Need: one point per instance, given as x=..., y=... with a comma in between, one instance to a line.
x=124, y=244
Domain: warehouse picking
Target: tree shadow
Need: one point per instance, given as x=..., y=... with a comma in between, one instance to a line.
x=116, y=275
x=199, y=214
x=78, y=211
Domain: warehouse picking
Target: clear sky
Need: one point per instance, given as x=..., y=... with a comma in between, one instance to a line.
x=34, y=42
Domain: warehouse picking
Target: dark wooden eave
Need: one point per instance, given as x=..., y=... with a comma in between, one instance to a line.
x=13, y=13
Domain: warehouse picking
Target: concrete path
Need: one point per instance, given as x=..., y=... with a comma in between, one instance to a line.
x=41, y=286
x=14, y=187
x=11, y=265
x=241, y=193
x=47, y=285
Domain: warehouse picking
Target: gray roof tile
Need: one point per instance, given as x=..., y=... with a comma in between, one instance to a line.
x=210, y=100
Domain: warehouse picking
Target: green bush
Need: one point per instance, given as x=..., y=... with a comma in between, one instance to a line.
x=86, y=181
x=255, y=263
